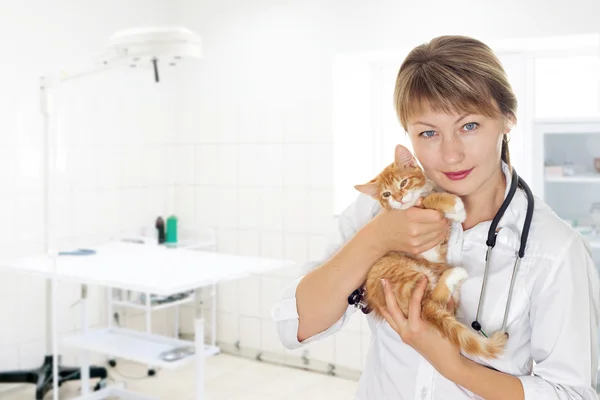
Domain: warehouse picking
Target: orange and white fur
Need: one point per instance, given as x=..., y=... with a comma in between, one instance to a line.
x=399, y=186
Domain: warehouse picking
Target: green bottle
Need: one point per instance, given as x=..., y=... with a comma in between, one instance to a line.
x=171, y=230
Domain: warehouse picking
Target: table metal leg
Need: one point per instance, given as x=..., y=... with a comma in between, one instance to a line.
x=151, y=371
x=176, y=333
x=199, y=339
x=85, y=355
x=53, y=333
x=213, y=337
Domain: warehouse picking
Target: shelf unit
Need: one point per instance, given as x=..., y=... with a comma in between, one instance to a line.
x=143, y=268
x=575, y=142
x=190, y=239
x=153, y=307
x=587, y=178
x=133, y=345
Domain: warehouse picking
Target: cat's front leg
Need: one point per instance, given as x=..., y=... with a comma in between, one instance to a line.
x=448, y=285
x=451, y=205
x=456, y=295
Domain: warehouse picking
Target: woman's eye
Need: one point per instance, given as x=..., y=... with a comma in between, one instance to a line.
x=387, y=194
x=470, y=126
x=403, y=183
x=428, y=134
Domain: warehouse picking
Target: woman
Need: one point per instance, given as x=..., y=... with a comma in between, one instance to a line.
x=454, y=101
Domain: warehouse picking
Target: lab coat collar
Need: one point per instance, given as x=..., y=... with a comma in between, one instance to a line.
x=512, y=220
x=507, y=173
x=514, y=215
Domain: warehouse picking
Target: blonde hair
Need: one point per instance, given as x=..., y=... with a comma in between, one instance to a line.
x=454, y=74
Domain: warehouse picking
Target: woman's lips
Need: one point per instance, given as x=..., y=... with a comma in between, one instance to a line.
x=458, y=175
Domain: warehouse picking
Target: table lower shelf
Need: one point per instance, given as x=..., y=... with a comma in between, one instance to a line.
x=154, y=306
x=133, y=345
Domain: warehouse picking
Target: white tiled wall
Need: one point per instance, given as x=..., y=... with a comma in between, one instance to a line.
x=258, y=122
x=114, y=163
x=262, y=177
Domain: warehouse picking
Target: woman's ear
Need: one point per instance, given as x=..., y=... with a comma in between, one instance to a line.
x=509, y=122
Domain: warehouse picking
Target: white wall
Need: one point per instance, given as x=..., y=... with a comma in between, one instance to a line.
x=260, y=127
x=117, y=132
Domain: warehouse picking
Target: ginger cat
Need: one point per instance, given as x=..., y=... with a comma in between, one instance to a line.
x=399, y=186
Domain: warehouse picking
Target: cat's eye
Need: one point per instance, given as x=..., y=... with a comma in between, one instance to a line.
x=387, y=194
x=403, y=183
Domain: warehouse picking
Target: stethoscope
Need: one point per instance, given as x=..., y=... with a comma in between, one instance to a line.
x=356, y=298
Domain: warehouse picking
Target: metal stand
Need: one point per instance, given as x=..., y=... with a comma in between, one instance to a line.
x=51, y=375
x=42, y=376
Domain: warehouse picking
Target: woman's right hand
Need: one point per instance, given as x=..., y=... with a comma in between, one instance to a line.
x=414, y=230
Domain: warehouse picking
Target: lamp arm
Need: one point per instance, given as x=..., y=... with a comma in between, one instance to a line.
x=49, y=81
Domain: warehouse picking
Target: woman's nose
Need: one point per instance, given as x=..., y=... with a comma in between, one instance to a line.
x=452, y=150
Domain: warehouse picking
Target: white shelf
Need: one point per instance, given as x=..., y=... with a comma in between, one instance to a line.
x=587, y=178
x=567, y=120
x=154, y=306
x=569, y=126
x=133, y=345
x=594, y=241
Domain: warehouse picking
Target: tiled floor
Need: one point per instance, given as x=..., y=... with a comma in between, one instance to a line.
x=227, y=378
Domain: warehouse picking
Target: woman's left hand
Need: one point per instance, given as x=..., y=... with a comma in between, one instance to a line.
x=419, y=334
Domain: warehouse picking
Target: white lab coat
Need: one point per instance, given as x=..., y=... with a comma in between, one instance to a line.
x=553, y=318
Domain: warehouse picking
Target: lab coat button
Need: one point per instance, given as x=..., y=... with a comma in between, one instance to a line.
x=423, y=392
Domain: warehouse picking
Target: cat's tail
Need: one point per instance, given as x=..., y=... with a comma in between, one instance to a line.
x=461, y=336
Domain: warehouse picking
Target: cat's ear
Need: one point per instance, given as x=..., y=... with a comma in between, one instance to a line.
x=371, y=189
x=403, y=157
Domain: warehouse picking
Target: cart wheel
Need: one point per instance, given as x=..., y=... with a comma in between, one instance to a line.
x=112, y=363
x=100, y=385
x=151, y=372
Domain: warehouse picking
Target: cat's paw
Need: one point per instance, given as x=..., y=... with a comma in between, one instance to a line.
x=458, y=212
x=457, y=276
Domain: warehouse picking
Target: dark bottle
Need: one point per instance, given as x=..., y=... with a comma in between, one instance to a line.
x=160, y=226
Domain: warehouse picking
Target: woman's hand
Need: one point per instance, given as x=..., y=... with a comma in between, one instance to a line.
x=420, y=335
x=414, y=230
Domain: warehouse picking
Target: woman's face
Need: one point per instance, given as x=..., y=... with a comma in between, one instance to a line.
x=460, y=153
